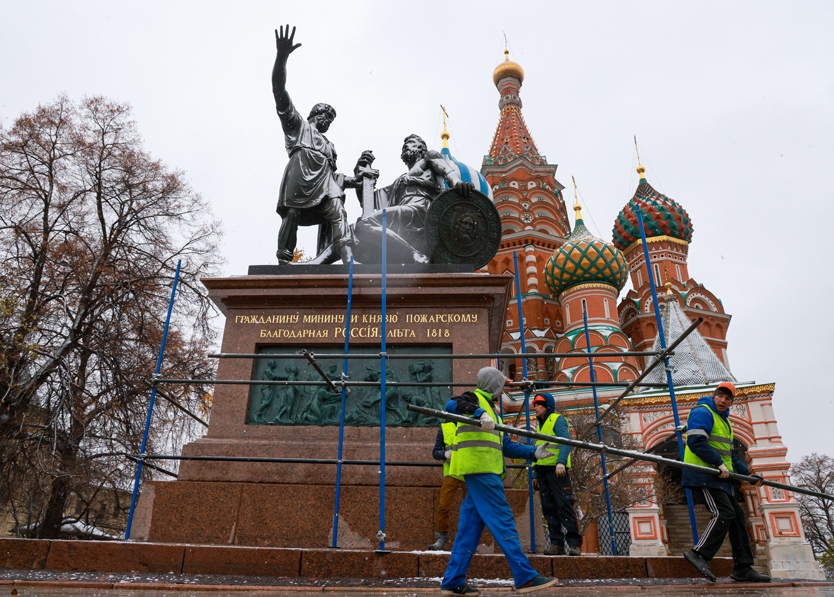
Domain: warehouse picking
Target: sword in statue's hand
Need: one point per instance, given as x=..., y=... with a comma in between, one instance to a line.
x=367, y=177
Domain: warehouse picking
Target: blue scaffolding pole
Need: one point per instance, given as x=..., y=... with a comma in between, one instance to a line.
x=342, y=410
x=526, y=404
x=599, y=431
x=501, y=399
x=150, y=406
x=381, y=534
x=669, y=382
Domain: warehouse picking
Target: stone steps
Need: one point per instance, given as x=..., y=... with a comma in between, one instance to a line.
x=120, y=556
x=680, y=531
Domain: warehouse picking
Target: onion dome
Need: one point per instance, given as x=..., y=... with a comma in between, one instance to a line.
x=508, y=68
x=466, y=173
x=584, y=258
x=662, y=216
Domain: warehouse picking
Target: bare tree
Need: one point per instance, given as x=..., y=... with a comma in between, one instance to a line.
x=816, y=472
x=91, y=229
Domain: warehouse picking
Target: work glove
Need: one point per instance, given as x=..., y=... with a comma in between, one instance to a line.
x=725, y=472
x=759, y=480
x=487, y=424
x=545, y=451
x=535, y=484
x=561, y=471
x=448, y=455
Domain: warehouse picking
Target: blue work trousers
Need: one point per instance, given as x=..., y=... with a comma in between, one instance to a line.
x=486, y=504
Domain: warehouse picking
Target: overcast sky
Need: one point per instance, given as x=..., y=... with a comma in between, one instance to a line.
x=732, y=105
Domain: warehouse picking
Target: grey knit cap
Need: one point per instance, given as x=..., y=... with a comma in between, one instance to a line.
x=491, y=380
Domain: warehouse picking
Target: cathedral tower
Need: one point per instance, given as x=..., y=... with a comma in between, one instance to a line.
x=586, y=275
x=534, y=223
x=668, y=235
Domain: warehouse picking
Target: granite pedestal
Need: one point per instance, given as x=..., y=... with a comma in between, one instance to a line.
x=291, y=505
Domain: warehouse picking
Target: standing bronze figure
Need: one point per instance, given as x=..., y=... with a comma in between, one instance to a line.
x=311, y=191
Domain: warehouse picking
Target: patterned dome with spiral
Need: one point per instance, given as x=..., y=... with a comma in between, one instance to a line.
x=662, y=216
x=584, y=258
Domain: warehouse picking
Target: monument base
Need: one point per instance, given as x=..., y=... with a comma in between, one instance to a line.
x=301, y=516
x=431, y=311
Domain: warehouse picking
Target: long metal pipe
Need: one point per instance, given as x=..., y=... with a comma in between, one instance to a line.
x=507, y=356
x=298, y=460
x=662, y=337
x=599, y=434
x=619, y=451
x=335, y=543
x=438, y=384
x=176, y=404
x=150, y=405
x=382, y=388
x=526, y=403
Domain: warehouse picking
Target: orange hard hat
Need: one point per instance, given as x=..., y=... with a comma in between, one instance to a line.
x=727, y=386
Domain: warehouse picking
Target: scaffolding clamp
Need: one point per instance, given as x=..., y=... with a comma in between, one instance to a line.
x=380, y=536
x=527, y=385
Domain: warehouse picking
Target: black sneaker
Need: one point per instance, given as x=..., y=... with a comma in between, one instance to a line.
x=748, y=575
x=699, y=563
x=462, y=590
x=540, y=582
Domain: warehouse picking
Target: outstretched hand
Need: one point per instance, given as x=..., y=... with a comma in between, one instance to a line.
x=283, y=41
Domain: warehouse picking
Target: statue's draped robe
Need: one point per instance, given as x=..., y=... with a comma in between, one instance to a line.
x=310, y=177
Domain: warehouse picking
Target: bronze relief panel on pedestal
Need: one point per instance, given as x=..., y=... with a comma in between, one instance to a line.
x=319, y=405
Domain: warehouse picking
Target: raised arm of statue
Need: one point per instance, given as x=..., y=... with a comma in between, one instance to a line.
x=284, y=46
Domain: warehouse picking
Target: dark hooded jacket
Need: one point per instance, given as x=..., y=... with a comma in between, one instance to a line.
x=701, y=418
x=561, y=429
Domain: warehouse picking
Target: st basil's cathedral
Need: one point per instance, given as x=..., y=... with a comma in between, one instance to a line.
x=565, y=271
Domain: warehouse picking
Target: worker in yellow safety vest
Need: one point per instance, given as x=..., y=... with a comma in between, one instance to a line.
x=478, y=452
x=709, y=443
x=551, y=477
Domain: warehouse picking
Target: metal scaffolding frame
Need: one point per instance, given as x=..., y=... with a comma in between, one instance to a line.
x=343, y=385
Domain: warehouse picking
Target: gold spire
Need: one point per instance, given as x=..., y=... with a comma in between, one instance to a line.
x=576, y=207
x=445, y=134
x=668, y=284
x=508, y=68
x=640, y=169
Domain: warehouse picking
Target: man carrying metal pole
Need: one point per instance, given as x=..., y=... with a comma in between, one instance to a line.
x=710, y=443
x=478, y=457
x=551, y=476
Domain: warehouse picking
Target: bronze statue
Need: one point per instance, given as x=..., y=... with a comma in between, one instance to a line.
x=407, y=202
x=311, y=191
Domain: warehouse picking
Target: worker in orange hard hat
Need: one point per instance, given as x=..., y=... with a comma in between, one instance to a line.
x=709, y=443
